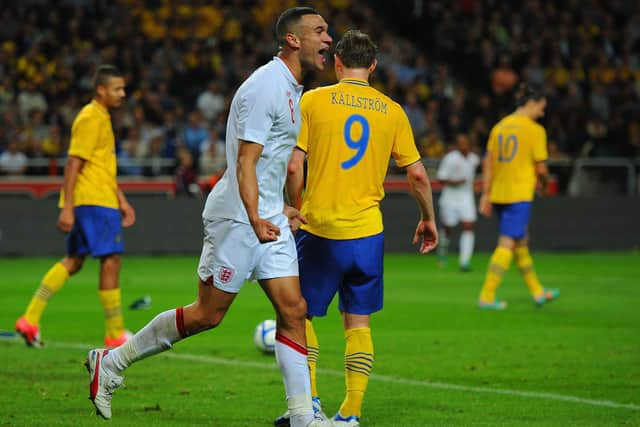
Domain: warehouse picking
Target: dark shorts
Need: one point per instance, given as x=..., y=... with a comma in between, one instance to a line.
x=513, y=218
x=353, y=268
x=97, y=231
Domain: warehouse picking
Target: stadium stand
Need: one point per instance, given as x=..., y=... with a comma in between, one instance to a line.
x=452, y=65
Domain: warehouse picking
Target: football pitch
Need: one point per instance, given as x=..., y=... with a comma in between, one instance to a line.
x=439, y=361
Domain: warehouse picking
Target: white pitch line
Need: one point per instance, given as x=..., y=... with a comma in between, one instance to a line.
x=374, y=377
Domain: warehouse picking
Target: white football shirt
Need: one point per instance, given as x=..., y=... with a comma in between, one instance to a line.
x=455, y=166
x=264, y=110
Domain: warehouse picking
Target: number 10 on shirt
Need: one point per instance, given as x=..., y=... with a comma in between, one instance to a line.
x=359, y=144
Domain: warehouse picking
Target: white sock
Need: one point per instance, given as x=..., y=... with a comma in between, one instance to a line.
x=467, y=239
x=292, y=360
x=157, y=336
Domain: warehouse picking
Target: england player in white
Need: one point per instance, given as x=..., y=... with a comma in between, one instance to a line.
x=457, y=172
x=246, y=229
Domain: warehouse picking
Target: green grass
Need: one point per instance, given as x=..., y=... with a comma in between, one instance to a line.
x=585, y=345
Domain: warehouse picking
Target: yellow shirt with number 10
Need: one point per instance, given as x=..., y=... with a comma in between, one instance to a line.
x=515, y=144
x=92, y=139
x=349, y=132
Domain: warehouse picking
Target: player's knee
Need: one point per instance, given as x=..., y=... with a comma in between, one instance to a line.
x=294, y=312
x=206, y=320
x=111, y=263
x=73, y=264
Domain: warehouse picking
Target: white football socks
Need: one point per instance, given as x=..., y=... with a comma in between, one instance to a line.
x=467, y=239
x=292, y=360
x=157, y=336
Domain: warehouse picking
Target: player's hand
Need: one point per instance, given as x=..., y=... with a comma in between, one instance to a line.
x=128, y=215
x=296, y=219
x=428, y=231
x=265, y=231
x=66, y=219
x=484, y=206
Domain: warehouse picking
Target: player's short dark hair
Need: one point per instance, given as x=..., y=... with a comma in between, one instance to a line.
x=356, y=50
x=528, y=92
x=103, y=74
x=289, y=18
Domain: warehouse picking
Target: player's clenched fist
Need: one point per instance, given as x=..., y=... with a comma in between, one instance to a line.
x=265, y=230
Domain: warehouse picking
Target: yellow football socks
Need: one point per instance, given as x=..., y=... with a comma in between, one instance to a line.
x=498, y=265
x=51, y=283
x=313, y=350
x=358, y=361
x=110, y=300
x=525, y=264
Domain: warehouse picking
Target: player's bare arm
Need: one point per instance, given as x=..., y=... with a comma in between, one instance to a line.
x=248, y=156
x=128, y=213
x=295, y=177
x=421, y=191
x=484, y=206
x=66, y=218
x=542, y=172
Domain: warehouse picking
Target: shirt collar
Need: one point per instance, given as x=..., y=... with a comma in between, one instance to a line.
x=355, y=81
x=287, y=72
x=100, y=107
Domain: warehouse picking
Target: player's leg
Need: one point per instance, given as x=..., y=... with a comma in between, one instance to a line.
x=28, y=325
x=524, y=262
x=467, y=236
x=291, y=350
x=498, y=265
x=277, y=273
x=320, y=274
x=220, y=279
x=467, y=241
x=361, y=294
x=358, y=363
x=102, y=229
x=111, y=301
x=106, y=366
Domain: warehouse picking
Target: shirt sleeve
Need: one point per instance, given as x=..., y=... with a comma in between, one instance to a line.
x=256, y=114
x=305, y=110
x=404, y=149
x=540, y=146
x=85, y=134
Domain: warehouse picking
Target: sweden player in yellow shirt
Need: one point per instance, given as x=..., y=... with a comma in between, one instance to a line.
x=93, y=211
x=348, y=133
x=516, y=154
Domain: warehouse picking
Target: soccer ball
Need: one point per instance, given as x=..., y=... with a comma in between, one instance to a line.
x=264, y=336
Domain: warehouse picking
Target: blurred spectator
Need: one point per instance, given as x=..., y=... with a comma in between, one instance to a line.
x=30, y=99
x=155, y=161
x=431, y=145
x=186, y=178
x=128, y=160
x=415, y=113
x=13, y=161
x=195, y=133
x=211, y=102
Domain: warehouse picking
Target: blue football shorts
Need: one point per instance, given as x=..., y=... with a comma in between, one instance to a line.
x=353, y=268
x=513, y=218
x=97, y=231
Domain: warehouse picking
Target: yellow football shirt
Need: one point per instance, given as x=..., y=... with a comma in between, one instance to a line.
x=92, y=139
x=515, y=144
x=350, y=131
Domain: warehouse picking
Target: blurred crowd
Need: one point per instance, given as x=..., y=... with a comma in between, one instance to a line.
x=452, y=65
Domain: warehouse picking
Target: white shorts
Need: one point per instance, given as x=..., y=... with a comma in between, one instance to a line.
x=232, y=253
x=456, y=210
